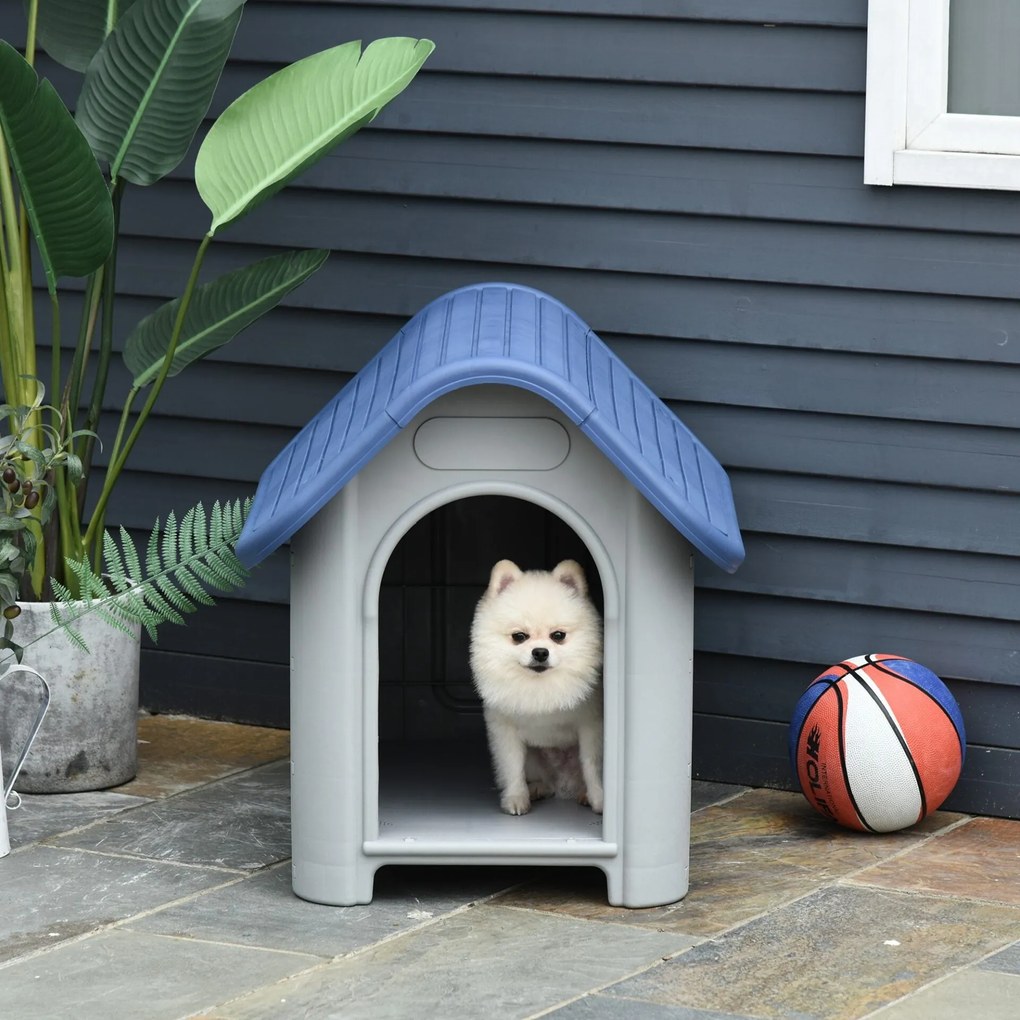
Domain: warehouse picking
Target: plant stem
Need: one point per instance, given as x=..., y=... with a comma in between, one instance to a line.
x=17, y=349
x=28, y=301
x=125, y=417
x=109, y=288
x=38, y=568
x=79, y=363
x=55, y=355
x=33, y=17
x=113, y=472
x=109, y=285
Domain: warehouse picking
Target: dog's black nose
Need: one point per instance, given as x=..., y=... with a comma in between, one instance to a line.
x=540, y=654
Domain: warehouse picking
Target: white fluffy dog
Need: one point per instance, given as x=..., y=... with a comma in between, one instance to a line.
x=536, y=657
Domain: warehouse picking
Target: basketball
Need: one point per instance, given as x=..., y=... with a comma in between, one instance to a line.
x=877, y=742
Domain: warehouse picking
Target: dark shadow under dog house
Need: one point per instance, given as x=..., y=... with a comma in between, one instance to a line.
x=494, y=390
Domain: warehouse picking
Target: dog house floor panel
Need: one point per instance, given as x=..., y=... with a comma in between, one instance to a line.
x=430, y=796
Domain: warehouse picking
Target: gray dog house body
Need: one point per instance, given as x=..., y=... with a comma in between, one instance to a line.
x=493, y=390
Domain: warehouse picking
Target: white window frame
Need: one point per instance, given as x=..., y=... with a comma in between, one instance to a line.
x=910, y=137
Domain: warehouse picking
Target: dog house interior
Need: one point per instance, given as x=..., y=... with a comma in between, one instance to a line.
x=435, y=778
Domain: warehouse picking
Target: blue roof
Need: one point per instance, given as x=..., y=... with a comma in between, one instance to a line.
x=499, y=333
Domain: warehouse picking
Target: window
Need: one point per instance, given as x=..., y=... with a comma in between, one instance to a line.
x=943, y=93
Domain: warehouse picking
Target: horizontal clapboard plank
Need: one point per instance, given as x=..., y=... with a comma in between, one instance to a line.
x=543, y=45
x=847, y=13
x=727, y=685
x=865, y=449
x=724, y=749
x=925, y=453
x=988, y=784
x=787, y=47
x=247, y=631
x=677, y=180
x=829, y=381
x=251, y=691
x=376, y=295
x=959, y=584
x=800, y=630
x=884, y=513
x=688, y=246
x=776, y=379
x=702, y=116
x=728, y=750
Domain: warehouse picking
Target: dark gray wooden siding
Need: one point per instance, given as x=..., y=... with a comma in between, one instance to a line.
x=687, y=175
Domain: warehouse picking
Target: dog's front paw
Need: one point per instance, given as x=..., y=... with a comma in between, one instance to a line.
x=594, y=801
x=515, y=803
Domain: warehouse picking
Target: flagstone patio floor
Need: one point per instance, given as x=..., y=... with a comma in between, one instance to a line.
x=170, y=897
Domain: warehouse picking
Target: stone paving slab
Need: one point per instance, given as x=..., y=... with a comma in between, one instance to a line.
x=750, y=854
x=45, y=815
x=481, y=963
x=980, y=859
x=971, y=993
x=835, y=955
x=605, y=1007
x=239, y=822
x=1007, y=961
x=704, y=794
x=129, y=975
x=51, y=895
x=263, y=910
x=176, y=753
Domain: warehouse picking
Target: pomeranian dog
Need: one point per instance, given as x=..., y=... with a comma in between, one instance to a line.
x=536, y=658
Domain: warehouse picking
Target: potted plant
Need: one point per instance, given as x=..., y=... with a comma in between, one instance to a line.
x=150, y=69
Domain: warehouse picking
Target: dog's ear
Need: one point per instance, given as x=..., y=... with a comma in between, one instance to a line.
x=503, y=575
x=569, y=573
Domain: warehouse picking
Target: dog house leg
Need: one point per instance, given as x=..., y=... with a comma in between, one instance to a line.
x=658, y=707
x=328, y=780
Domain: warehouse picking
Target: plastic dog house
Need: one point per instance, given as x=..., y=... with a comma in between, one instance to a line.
x=494, y=390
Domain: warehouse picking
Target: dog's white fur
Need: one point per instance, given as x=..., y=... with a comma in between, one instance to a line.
x=536, y=657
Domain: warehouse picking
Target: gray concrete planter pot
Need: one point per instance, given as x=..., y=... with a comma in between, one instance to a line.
x=89, y=740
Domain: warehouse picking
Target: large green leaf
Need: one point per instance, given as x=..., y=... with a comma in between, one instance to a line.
x=150, y=84
x=218, y=312
x=281, y=126
x=71, y=31
x=61, y=185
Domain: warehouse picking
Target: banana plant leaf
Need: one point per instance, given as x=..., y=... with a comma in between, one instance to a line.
x=218, y=312
x=281, y=126
x=71, y=31
x=149, y=86
x=63, y=190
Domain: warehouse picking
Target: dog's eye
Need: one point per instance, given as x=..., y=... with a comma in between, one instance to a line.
x=558, y=636
x=518, y=637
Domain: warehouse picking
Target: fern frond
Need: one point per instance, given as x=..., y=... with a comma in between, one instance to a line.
x=76, y=639
x=182, y=563
x=115, y=567
x=134, y=567
x=170, y=547
x=90, y=584
x=65, y=618
x=192, y=586
x=199, y=528
x=152, y=560
x=121, y=621
x=186, y=542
